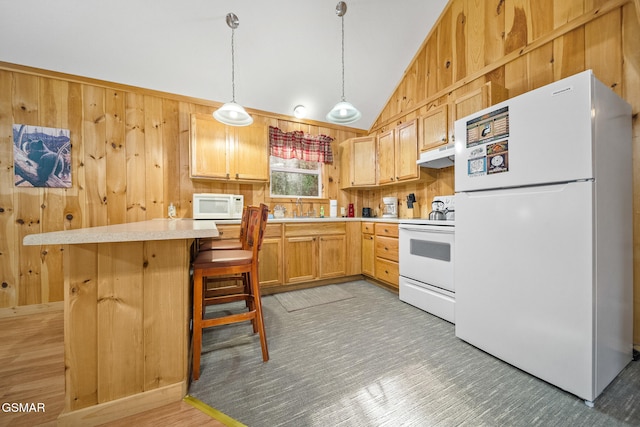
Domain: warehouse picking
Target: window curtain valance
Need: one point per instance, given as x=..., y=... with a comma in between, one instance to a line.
x=297, y=145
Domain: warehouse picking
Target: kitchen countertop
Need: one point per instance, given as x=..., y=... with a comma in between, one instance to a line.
x=156, y=229
x=180, y=228
x=325, y=219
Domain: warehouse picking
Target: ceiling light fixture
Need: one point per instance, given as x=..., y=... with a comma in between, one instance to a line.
x=299, y=111
x=231, y=113
x=343, y=112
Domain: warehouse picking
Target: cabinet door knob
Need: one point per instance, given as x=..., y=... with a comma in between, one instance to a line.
x=227, y=176
x=397, y=178
x=237, y=176
x=444, y=139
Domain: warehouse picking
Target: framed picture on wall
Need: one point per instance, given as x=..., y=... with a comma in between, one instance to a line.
x=41, y=156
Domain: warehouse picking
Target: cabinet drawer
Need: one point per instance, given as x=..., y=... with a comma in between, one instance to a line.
x=386, y=229
x=387, y=271
x=367, y=228
x=387, y=248
x=314, y=229
x=273, y=230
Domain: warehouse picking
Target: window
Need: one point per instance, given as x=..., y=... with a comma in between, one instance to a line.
x=295, y=178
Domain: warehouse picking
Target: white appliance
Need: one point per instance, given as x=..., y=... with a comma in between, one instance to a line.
x=390, y=207
x=217, y=206
x=438, y=158
x=544, y=233
x=426, y=260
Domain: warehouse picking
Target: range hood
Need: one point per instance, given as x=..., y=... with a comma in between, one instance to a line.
x=438, y=158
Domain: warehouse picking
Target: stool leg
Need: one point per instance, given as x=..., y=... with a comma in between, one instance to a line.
x=250, y=302
x=198, y=285
x=255, y=288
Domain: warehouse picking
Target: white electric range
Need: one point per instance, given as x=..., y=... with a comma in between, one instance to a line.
x=426, y=251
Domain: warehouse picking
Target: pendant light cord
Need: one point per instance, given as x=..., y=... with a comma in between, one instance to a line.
x=342, y=20
x=233, y=67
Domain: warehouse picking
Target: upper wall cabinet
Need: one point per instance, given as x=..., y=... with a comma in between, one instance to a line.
x=357, y=162
x=227, y=153
x=434, y=128
x=485, y=96
x=437, y=125
x=398, y=153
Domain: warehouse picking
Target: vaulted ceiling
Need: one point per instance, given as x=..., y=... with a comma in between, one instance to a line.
x=287, y=52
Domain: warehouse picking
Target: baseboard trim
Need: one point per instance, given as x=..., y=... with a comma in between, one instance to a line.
x=269, y=290
x=28, y=310
x=124, y=407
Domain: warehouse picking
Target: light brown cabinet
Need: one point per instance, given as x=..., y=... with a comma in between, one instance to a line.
x=436, y=127
x=368, y=249
x=357, y=160
x=332, y=256
x=313, y=253
x=380, y=252
x=300, y=259
x=398, y=153
x=386, y=253
x=226, y=153
x=270, y=259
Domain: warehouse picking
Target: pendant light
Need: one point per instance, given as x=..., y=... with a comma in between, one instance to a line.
x=343, y=112
x=232, y=113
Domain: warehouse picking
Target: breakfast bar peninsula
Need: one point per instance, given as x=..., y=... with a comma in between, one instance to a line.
x=126, y=315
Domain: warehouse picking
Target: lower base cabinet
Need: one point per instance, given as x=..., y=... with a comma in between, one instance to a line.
x=270, y=259
x=313, y=253
x=380, y=252
x=332, y=256
x=368, y=250
x=386, y=249
x=300, y=259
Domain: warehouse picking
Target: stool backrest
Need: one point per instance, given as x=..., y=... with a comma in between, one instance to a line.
x=244, y=223
x=256, y=225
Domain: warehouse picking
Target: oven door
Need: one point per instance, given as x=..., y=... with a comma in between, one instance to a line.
x=427, y=255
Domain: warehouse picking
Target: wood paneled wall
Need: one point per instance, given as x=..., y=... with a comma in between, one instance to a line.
x=520, y=45
x=130, y=153
x=130, y=146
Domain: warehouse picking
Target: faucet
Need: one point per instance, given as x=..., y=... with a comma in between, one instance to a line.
x=298, y=211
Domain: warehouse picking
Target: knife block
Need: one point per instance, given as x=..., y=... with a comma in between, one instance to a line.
x=413, y=212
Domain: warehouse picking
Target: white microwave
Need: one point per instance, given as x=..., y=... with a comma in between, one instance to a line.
x=217, y=206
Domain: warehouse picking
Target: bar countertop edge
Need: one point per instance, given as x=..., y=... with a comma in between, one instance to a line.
x=156, y=229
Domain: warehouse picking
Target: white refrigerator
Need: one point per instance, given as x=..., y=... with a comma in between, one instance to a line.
x=543, y=242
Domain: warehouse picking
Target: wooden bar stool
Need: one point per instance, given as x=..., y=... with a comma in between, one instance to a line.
x=226, y=244
x=223, y=285
x=230, y=263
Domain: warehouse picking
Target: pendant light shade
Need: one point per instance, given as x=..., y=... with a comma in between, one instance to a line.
x=343, y=112
x=232, y=113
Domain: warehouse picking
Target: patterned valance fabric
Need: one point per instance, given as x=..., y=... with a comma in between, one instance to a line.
x=297, y=145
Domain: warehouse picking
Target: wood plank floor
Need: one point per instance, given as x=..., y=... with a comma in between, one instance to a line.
x=32, y=371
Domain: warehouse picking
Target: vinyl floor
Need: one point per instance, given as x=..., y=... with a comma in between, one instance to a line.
x=373, y=360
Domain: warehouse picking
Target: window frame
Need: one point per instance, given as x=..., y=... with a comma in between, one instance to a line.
x=319, y=171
